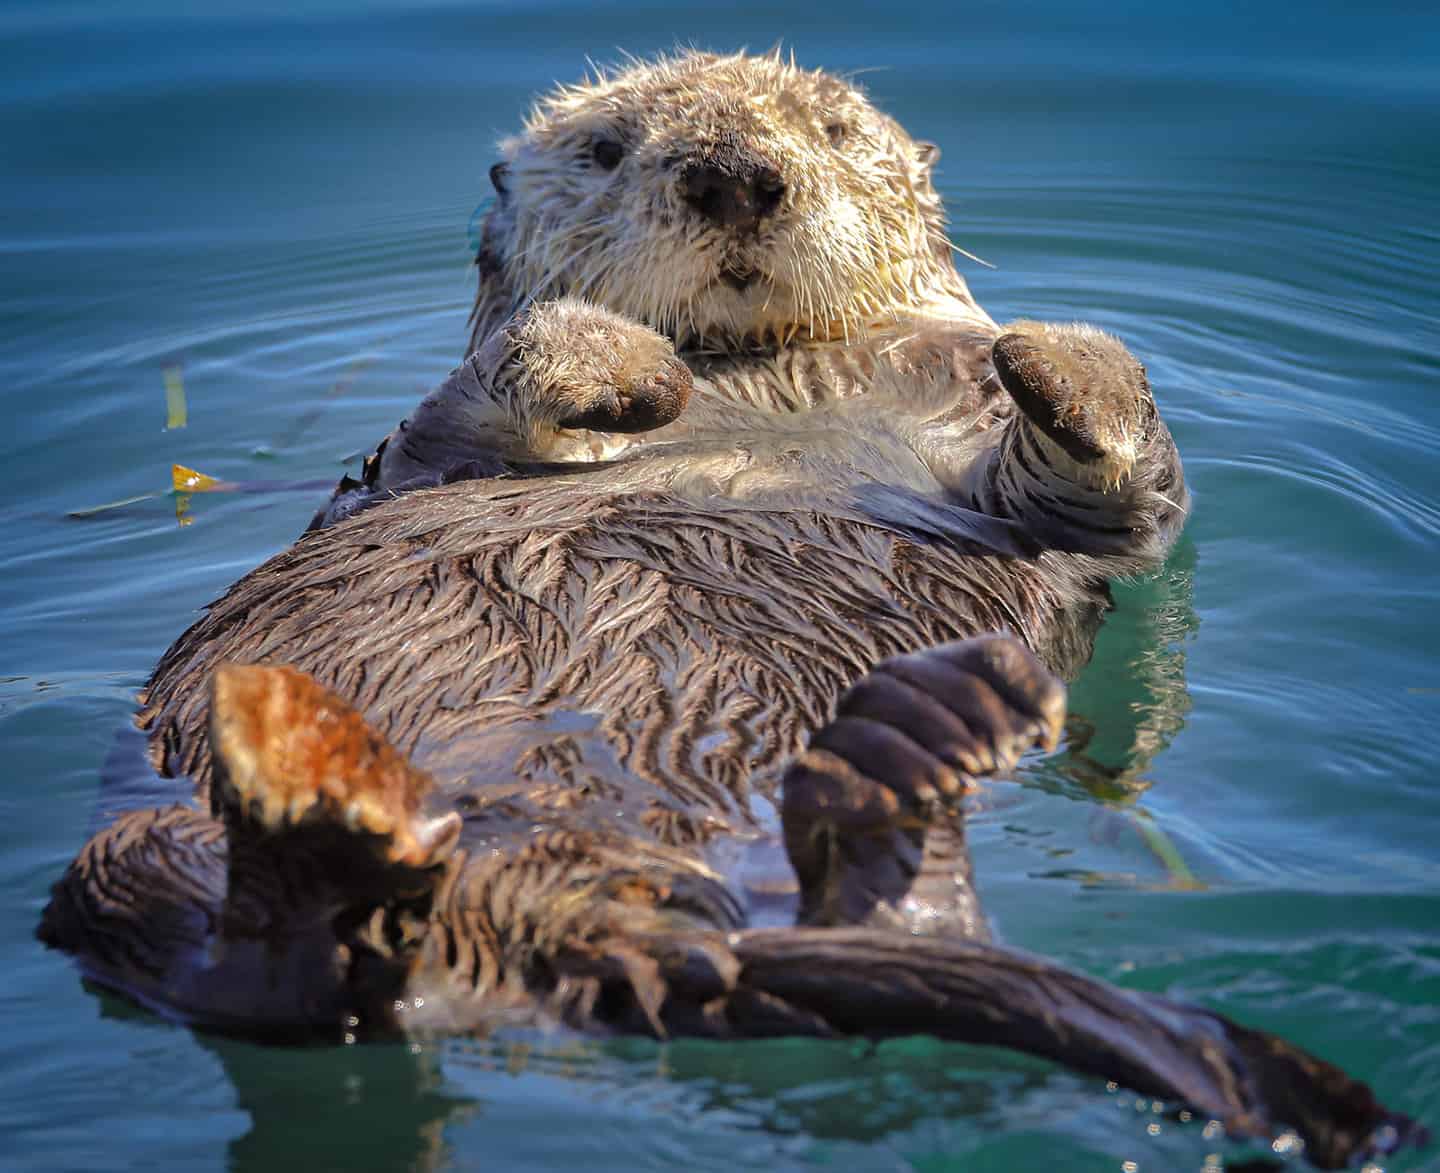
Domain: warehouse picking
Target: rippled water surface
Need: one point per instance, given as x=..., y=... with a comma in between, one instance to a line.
x=1245, y=813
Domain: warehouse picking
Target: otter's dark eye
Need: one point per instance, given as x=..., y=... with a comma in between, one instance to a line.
x=836, y=133
x=607, y=153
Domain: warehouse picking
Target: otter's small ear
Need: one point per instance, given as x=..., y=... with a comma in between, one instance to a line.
x=498, y=174
x=927, y=154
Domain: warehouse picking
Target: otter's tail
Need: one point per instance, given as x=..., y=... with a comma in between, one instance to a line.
x=872, y=983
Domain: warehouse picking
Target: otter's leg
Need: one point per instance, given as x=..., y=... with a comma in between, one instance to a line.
x=538, y=389
x=870, y=809
x=1086, y=464
x=859, y=981
x=865, y=982
x=294, y=908
x=857, y=807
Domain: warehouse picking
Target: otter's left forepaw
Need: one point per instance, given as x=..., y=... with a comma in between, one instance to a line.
x=1083, y=391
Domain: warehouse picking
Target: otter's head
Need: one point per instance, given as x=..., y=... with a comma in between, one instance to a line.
x=720, y=200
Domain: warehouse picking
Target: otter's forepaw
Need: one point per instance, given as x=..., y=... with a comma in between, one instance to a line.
x=290, y=755
x=574, y=365
x=919, y=729
x=1084, y=392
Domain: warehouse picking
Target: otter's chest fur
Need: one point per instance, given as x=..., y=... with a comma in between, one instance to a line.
x=807, y=374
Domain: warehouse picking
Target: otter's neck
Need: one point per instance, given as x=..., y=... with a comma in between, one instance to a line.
x=804, y=372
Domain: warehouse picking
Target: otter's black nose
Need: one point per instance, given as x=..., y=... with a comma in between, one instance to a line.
x=736, y=193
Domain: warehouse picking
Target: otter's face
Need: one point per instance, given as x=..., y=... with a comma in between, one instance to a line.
x=718, y=200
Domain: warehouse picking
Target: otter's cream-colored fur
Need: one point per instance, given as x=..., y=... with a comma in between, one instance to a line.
x=685, y=243
x=855, y=243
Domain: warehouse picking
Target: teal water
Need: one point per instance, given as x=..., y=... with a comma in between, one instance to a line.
x=276, y=198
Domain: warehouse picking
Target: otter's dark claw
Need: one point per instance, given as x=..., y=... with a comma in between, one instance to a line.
x=927, y=724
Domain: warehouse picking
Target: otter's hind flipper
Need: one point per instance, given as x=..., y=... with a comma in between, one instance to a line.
x=292, y=910
x=869, y=809
x=290, y=756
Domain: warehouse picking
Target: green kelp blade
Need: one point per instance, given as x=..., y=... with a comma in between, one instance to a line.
x=96, y=510
x=182, y=481
x=185, y=481
x=1164, y=849
x=177, y=414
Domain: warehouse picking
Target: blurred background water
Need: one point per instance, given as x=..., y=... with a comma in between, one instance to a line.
x=274, y=196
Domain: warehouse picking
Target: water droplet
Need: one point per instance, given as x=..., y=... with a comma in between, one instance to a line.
x=1287, y=1144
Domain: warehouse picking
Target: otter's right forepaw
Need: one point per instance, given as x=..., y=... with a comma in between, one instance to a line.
x=290, y=755
x=576, y=366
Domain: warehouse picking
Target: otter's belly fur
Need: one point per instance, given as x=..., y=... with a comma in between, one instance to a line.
x=519, y=721
x=564, y=651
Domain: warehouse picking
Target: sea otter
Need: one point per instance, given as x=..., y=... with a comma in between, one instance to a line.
x=797, y=528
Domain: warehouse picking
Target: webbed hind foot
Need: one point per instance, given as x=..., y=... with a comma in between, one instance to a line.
x=290, y=755
x=868, y=809
x=296, y=909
